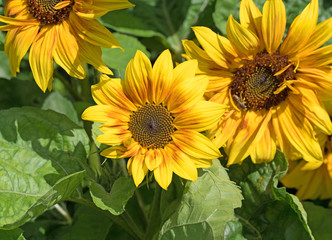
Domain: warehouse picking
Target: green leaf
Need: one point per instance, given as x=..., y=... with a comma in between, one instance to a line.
x=205, y=208
x=61, y=191
x=268, y=212
x=88, y=224
x=58, y=103
x=14, y=234
x=170, y=20
x=50, y=135
x=233, y=230
x=117, y=59
x=115, y=201
x=319, y=220
x=37, y=148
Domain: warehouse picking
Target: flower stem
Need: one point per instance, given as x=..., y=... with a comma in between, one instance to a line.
x=154, y=216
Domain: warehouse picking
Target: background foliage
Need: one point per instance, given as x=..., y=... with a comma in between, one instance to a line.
x=45, y=148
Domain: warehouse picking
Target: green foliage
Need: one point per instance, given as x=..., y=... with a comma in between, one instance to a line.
x=115, y=201
x=268, y=212
x=205, y=208
x=14, y=234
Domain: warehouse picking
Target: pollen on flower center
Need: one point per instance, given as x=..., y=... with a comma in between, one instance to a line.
x=44, y=11
x=152, y=126
x=254, y=85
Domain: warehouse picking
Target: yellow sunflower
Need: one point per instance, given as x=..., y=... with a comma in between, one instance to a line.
x=64, y=30
x=274, y=87
x=312, y=180
x=154, y=117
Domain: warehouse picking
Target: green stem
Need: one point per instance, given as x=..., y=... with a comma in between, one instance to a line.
x=64, y=213
x=250, y=226
x=116, y=219
x=140, y=203
x=133, y=225
x=154, y=216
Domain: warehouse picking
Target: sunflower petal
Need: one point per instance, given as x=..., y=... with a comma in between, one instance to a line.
x=273, y=24
x=121, y=151
x=249, y=133
x=137, y=168
x=162, y=77
x=301, y=29
x=244, y=40
x=137, y=76
x=265, y=149
x=41, y=56
x=163, y=173
x=289, y=123
x=111, y=138
x=203, y=116
x=182, y=165
x=195, y=144
x=103, y=113
x=19, y=22
x=66, y=53
x=153, y=158
x=109, y=92
x=251, y=17
x=14, y=7
x=93, y=32
x=318, y=58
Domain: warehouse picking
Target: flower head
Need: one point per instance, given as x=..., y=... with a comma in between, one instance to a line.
x=65, y=31
x=274, y=87
x=154, y=117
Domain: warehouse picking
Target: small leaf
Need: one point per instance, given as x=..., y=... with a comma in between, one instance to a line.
x=268, y=212
x=14, y=234
x=206, y=207
x=115, y=201
x=319, y=220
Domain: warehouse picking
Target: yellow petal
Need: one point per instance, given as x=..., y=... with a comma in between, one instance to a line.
x=203, y=116
x=66, y=54
x=153, y=158
x=317, y=58
x=301, y=29
x=245, y=41
x=265, y=149
x=98, y=8
x=91, y=54
x=309, y=106
x=136, y=167
x=62, y=4
x=186, y=94
x=218, y=48
x=182, y=164
x=273, y=24
x=121, y=151
x=19, y=22
x=14, y=7
x=111, y=138
x=251, y=18
x=195, y=144
x=93, y=32
x=162, y=78
x=18, y=41
x=103, y=113
x=249, y=133
x=137, y=75
x=321, y=34
x=289, y=123
x=109, y=92
x=41, y=56
x=163, y=173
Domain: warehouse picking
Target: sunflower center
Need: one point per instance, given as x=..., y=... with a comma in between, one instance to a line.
x=152, y=126
x=46, y=12
x=254, y=85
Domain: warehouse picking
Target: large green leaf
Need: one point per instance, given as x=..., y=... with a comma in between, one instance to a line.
x=319, y=220
x=205, y=208
x=35, y=146
x=167, y=19
x=268, y=212
x=61, y=191
x=115, y=201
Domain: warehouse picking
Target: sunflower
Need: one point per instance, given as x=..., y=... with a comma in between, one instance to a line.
x=64, y=30
x=316, y=178
x=154, y=117
x=274, y=86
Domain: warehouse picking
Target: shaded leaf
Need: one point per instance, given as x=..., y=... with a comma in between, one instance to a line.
x=205, y=208
x=319, y=220
x=268, y=212
x=14, y=234
x=115, y=201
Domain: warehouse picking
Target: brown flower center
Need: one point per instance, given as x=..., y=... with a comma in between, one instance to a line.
x=254, y=85
x=152, y=126
x=45, y=13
